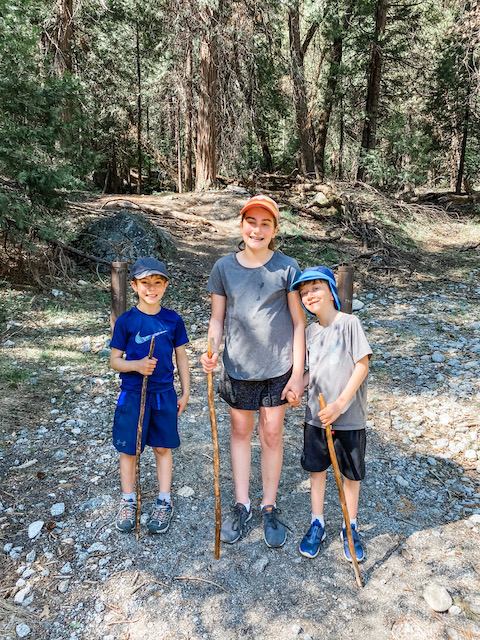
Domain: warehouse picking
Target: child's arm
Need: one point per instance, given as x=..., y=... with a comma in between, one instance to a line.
x=293, y=401
x=145, y=366
x=215, y=331
x=184, y=375
x=333, y=410
x=295, y=384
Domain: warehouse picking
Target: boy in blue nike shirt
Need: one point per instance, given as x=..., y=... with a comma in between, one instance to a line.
x=132, y=336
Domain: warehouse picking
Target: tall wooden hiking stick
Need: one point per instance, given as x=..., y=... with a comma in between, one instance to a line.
x=138, y=448
x=341, y=493
x=216, y=456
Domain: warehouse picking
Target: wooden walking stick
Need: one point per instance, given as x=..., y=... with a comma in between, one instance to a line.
x=341, y=493
x=216, y=456
x=138, y=448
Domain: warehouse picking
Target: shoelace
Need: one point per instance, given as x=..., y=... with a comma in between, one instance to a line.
x=160, y=512
x=237, y=514
x=127, y=512
x=271, y=516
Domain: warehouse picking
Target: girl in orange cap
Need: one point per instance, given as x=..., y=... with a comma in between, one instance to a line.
x=263, y=358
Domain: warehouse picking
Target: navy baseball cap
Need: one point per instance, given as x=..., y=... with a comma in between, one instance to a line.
x=319, y=273
x=144, y=267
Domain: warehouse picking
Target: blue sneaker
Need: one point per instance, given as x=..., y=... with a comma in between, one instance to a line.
x=310, y=545
x=357, y=545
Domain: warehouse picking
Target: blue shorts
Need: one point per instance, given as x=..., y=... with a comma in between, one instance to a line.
x=159, y=422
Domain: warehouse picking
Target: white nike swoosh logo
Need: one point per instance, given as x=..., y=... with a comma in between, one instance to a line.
x=141, y=339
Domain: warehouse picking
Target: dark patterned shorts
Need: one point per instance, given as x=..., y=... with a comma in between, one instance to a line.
x=250, y=395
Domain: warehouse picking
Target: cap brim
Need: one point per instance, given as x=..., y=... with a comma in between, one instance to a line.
x=149, y=272
x=263, y=205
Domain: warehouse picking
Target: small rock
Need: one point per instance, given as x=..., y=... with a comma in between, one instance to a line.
x=455, y=610
x=57, y=509
x=432, y=462
x=260, y=565
x=297, y=629
x=31, y=555
x=66, y=569
x=63, y=586
x=438, y=357
x=8, y=343
x=470, y=454
x=8, y=547
x=21, y=595
x=186, y=492
x=96, y=547
x=437, y=597
x=22, y=630
x=77, y=389
x=357, y=305
x=34, y=528
x=401, y=481
x=82, y=283
x=87, y=347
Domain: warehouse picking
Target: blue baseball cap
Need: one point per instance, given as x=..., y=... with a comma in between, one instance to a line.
x=319, y=273
x=144, y=267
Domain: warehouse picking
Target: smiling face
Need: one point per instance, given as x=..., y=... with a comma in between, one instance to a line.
x=316, y=296
x=258, y=228
x=150, y=291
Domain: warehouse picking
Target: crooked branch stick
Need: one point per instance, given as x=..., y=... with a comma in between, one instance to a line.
x=138, y=448
x=341, y=493
x=216, y=456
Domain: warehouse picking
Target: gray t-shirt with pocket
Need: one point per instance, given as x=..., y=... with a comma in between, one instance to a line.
x=258, y=324
x=331, y=356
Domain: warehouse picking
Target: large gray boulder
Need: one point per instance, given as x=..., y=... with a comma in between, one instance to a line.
x=125, y=236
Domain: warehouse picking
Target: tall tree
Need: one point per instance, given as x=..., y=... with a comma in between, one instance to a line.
x=369, y=135
x=305, y=130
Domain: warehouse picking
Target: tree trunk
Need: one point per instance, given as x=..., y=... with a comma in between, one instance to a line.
x=329, y=97
x=178, y=143
x=463, y=150
x=63, y=37
x=139, y=114
x=305, y=131
x=246, y=87
x=369, y=135
x=206, y=168
x=188, y=115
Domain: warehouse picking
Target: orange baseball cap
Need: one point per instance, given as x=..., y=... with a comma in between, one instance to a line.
x=262, y=201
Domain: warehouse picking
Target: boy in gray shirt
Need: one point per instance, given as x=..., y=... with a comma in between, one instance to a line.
x=337, y=359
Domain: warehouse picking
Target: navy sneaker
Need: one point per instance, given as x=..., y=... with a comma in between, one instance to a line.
x=357, y=545
x=161, y=517
x=127, y=516
x=274, y=531
x=232, y=527
x=310, y=545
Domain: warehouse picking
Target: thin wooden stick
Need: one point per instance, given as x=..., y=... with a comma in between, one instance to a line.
x=138, y=449
x=201, y=580
x=216, y=455
x=341, y=493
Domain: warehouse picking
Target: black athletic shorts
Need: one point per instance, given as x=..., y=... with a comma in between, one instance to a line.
x=250, y=395
x=349, y=449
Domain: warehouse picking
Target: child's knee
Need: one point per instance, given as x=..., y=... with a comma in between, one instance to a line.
x=161, y=451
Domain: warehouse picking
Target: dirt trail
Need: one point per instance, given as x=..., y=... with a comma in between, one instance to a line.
x=419, y=510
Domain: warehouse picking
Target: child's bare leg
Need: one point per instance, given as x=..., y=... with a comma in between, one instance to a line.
x=242, y=424
x=163, y=461
x=352, y=493
x=127, y=472
x=270, y=432
x=318, y=481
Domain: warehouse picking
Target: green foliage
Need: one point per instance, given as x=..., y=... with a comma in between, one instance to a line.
x=39, y=114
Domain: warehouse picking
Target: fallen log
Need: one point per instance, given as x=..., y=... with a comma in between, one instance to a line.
x=157, y=211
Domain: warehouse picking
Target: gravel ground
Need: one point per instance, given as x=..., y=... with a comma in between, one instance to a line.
x=67, y=574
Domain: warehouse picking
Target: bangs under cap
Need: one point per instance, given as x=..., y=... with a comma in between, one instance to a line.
x=318, y=273
x=262, y=201
x=144, y=267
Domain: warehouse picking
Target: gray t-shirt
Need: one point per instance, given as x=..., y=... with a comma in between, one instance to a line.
x=331, y=356
x=258, y=324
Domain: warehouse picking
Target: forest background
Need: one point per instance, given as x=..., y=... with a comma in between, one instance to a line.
x=95, y=93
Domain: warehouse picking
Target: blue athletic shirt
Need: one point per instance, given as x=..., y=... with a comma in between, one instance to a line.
x=132, y=334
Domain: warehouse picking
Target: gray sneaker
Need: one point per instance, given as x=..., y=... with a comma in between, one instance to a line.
x=127, y=515
x=274, y=531
x=232, y=528
x=161, y=517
